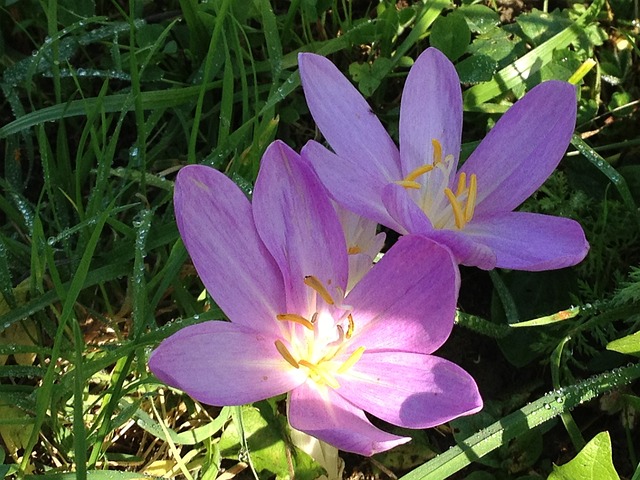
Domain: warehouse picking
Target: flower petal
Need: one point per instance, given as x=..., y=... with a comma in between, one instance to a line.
x=221, y=363
x=345, y=118
x=524, y=147
x=531, y=241
x=216, y=224
x=350, y=182
x=431, y=109
x=407, y=302
x=329, y=417
x=409, y=389
x=298, y=224
x=465, y=249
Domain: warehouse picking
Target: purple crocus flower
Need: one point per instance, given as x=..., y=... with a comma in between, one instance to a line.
x=417, y=189
x=278, y=268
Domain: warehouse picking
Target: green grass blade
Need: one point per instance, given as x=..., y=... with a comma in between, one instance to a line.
x=114, y=103
x=520, y=421
x=610, y=172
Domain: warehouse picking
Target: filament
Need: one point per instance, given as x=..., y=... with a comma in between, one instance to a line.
x=321, y=373
x=455, y=205
x=351, y=361
x=471, y=198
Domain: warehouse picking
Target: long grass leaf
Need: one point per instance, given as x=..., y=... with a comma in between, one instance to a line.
x=520, y=421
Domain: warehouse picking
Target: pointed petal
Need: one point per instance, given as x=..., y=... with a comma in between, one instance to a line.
x=329, y=417
x=410, y=390
x=524, y=147
x=531, y=241
x=220, y=363
x=216, y=224
x=344, y=117
x=407, y=302
x=350, y=183
x=431, y=108
x=299, y=226
x=465, y=249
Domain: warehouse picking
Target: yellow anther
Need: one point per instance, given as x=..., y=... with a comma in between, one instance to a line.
x=321, y=374
x=471, y=198
x=351, y=361
x=293, y=317
x=415, y=173
x=286, y=354
x=437, y=151
x=458, y=215
x=354, y=250
x=351, y=326
x=408, y=184
x=316, y=285
x=462, y=184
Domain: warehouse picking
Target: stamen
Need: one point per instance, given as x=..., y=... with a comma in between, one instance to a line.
x=437, y=151
x=316, y=285
x=354, y=250
x=415, y=173
x=351, y=361
x=408, y=184
x=457, y=210
x=286, y=354
x=321, y=373
x=462, y=184
x=471, y=198
x=293, y=317
x=351, y=326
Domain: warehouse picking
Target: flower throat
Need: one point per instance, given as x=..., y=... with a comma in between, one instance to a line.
x=445, y=208
x=315, y=347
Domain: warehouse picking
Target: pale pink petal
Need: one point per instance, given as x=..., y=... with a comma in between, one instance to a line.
x=431, y=109
x=344, y=117
x=530, y=241
x=524, y=147
x=221, y=363
x=407, y=302
x=216, y=224
x=353, y=185
x=409, y=389
x=321, y=412
x=298, y=224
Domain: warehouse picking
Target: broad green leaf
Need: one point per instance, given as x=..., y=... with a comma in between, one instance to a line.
x=15, y=428
x=517, y=73
x=629, y=345
x=268, y=450
x=479, y=18
x=541, y=26
x=369, y=75
x=594, y=462
x=450, y=35
x=20, y=333
x=476, y=69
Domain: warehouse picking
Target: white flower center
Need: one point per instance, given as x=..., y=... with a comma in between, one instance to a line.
x=316, y=346
x=445, y=208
